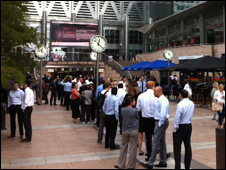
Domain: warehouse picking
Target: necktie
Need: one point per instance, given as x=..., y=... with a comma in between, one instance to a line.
x=142, y=86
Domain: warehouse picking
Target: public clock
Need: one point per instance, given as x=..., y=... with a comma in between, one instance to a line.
x=98, y=43
x=168, y=54
x=41, y=51
x=93, y=56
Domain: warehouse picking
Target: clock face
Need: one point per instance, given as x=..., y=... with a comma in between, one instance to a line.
x=41, y=52
x=93, y=56
x=98, y=43
x=168, y=54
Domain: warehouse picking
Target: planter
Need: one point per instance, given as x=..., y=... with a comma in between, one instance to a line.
x=156, y=48
x=175, y=44
x=161, y=47
x=169, y=45
x=185, y=42
x=192, y=41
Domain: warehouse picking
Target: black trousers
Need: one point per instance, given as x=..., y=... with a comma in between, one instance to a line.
x=75, y=108
x=85, y=113
x=53, y=97
x=98, y=115
x=27, y=122
x=111, y=127
x=93, y=110
x=13, y=110
x=46, y=97
x=149, y=126
x=183, y=134
x=67, y=99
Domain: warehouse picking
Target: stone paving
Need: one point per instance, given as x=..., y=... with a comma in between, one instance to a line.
x=58, y=143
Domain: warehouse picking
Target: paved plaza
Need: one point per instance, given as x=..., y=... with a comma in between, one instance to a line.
x=58, y=143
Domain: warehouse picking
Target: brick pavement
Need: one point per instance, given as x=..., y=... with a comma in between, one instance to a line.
x=58, y=143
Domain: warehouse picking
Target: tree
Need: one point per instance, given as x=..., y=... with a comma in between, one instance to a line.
x=15, y=32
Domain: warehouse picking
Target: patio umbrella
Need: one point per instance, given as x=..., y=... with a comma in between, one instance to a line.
x=206, y=63
x=135, y=67
x=155, y=65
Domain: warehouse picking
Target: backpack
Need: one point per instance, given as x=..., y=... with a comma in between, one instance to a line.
x=101, y=99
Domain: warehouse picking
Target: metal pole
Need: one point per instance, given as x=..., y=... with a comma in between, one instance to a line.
x=100, y=25
x=41, y=83
x=73, y=18
x=168, y=72
x=126, y=37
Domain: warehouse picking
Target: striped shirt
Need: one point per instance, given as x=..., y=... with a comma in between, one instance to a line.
x=184, y=113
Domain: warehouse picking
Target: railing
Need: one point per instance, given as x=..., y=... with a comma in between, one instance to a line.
x=117, y=67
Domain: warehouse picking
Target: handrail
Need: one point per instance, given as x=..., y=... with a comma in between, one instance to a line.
x=117, y=67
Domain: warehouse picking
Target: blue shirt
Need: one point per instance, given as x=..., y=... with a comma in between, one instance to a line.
x=162, y=111
x=111, y=105
x=67, y=86
x=15, y=97
x=184, y=113
x=99, y=89
x=140, y=85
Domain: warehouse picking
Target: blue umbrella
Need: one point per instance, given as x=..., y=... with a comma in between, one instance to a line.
x=135, y=67
x=155, y=65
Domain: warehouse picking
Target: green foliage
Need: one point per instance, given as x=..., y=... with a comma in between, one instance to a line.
x=14, y=32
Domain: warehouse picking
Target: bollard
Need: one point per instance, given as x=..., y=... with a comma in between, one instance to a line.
x=3, y=112
x=220, y=148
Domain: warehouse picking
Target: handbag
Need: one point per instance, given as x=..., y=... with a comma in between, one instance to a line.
x=216, y=107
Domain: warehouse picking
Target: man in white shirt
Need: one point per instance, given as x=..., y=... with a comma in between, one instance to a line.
x=183, y=129
x=146, y=103
x=28, y=103
x=15, y=101
x=124, y=81
x=162, y=113
x=121, y=95
x=142, y=84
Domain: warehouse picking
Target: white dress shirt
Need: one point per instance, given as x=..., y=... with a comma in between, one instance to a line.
x=121, y=95
x=184, y=113
x=162, y=110
x=15, y=97
x=28, y=98
x=146, y=103
x=124, y=84
x=218, y=96
x=188, y=88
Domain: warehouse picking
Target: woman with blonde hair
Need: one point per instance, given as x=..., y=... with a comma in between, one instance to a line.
x=215, y=88
x=219, y=96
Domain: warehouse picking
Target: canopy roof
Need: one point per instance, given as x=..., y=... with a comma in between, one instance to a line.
x=148, y=66
x=192, y=12
x=135, y=67
x=206, y=63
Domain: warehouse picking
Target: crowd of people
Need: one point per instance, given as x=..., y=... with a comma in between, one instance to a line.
x=139, y=107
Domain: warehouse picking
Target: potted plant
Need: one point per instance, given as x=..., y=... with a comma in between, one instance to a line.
x=194, y=81
x=219, y=80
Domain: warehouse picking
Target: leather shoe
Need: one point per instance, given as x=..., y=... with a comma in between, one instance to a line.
x=160, y=165
x=168, y=155
x=116, y=147
x=142, y=153
x=11, y=136
x=25, y=140
x=147, y=166
x=117, y=167
x=21, y=136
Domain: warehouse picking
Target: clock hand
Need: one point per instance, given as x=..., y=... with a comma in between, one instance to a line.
x=101, y=46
